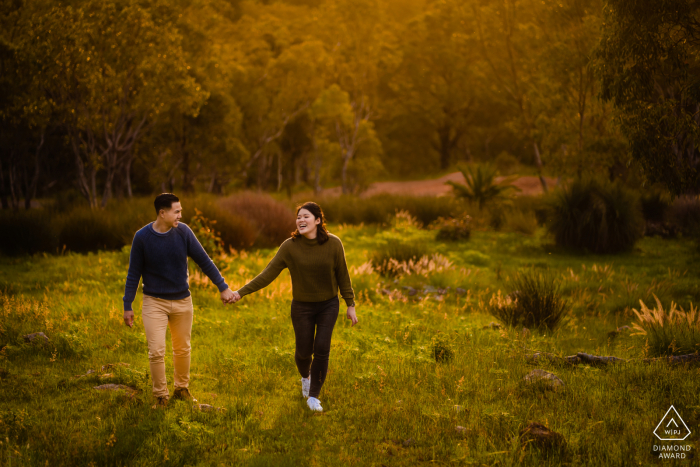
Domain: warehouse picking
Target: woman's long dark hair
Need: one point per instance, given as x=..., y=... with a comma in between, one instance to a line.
x=317, y=212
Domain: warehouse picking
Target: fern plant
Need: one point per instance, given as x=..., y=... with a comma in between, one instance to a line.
x=481, y=186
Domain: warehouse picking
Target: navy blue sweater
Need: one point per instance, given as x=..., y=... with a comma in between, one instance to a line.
x=161, y=258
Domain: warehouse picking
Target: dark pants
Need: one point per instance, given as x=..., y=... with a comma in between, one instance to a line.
x=309, y=318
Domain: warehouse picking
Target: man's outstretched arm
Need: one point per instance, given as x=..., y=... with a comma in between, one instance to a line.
x=200, y=256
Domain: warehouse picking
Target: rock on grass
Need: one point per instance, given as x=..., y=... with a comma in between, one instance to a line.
x=547, y=379
x=539, y=435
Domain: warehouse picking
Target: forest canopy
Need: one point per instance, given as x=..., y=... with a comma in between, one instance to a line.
x=126, y=97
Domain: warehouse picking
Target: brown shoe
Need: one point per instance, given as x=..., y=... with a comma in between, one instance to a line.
x=183, y=394
x=161, y=402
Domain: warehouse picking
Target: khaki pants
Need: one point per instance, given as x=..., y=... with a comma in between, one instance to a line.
x=157, y=315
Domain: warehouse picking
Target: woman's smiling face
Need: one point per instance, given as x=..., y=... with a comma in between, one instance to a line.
x=307, y=224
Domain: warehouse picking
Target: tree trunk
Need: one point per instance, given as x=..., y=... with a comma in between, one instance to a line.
x=538, y=161
x=127, y=176
x=3, y=189
x=445, y=146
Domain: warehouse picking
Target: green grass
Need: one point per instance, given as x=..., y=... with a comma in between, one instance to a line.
x=384, y=386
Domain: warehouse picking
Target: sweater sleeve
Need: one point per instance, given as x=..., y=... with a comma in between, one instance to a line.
x=133, y=277
x=196, y=251
x=343, y=276
x=269, y=274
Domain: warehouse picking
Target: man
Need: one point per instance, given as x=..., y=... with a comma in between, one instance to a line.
x=159, y=254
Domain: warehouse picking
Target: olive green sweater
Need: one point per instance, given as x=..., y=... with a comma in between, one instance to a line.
x=317, y=271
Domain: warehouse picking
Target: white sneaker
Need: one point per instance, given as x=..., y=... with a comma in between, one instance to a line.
x=305, y=385
x=314, y=404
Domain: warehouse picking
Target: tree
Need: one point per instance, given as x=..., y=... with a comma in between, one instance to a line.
x=109, y=69
x=437, y=84
x=648, y=60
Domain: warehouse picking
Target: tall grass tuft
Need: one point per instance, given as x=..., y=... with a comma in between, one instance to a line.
x=596, y=216
x=396, y=251
x=453, y=229
x=668, y=332
x=535, y=302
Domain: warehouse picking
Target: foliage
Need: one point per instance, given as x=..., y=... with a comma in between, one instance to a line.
x=655, y=206
x=453, y=229
x=534, y=302
x=480, y=185
x=379, y=209
x=27, y=232
x=272, y=220
x=668, y=332
x=441, y=348
x=84, y=229
x=596, y=216
x=684, y=213
x=397, y=251
x=656, y=96
x=520, y=221
x=204, y=230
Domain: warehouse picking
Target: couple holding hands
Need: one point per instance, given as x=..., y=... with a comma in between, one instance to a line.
x=315, y=259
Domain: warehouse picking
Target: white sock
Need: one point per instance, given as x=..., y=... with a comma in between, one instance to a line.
x=314, y=404
x=305, y=386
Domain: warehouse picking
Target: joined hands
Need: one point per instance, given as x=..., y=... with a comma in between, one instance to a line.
x=229, y=296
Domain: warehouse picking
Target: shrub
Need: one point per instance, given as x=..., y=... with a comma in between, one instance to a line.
x=206, y=233
x=684, y=214
x=441, y=348
x=597, y=216
x=535, y=302
x=480, y=185
x=273, y=220
x=520, y=221
x=27, y=232
x=671, y=332
x=654, y=207
x=236, y=232
x=453, y=229
x=401, y=252
x=379, y=209
x=85, y=229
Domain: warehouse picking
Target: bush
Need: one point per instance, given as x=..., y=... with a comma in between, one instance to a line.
x=27, y=232
x=272, y=220
x=596, y=216
x=684, y=214
x=506, y=163
x=205, y=230
x=453, y=229
x=672, y=332
x=654, y=207
x=236, y=232
x=85, y=229
x=520, y=221
x=441, y=348
x=380, y=208
x=535, y=302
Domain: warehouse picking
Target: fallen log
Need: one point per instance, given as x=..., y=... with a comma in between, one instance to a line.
x=596, y=360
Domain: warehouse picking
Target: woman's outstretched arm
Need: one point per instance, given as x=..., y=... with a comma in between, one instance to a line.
x=269, y=274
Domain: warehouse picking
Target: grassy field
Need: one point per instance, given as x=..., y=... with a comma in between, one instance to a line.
x=387, y=401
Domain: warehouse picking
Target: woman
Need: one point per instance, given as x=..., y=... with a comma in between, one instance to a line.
x=316, y=262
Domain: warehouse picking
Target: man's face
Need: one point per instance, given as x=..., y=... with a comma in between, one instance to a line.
x=173, y=215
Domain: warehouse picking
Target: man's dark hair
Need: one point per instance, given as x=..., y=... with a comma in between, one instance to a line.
x=165, y=201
